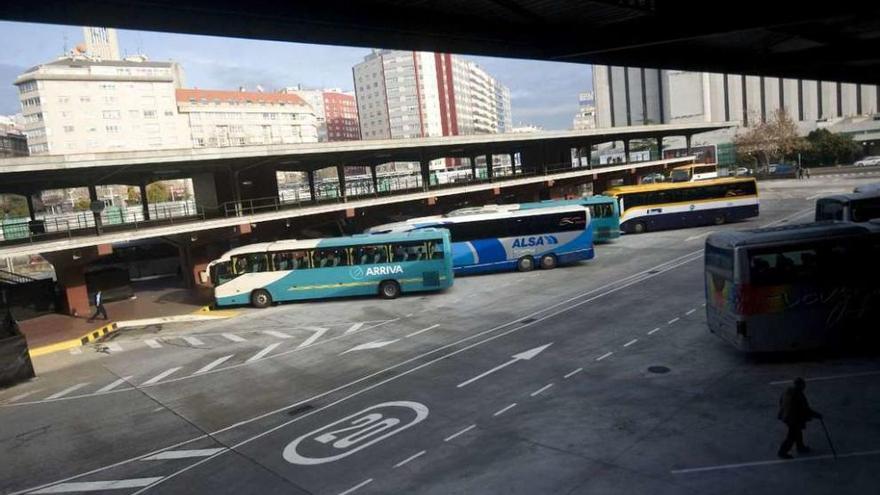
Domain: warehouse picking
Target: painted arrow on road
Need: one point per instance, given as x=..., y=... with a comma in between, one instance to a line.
x=522, y=356
x=371, y=345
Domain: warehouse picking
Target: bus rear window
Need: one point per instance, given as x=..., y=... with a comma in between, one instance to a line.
x=865, y=209
x=829, y=209
x=719, y=258
x=782, y=267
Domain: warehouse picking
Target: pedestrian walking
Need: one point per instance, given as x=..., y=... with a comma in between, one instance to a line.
x=794, y=411
x=99, y=307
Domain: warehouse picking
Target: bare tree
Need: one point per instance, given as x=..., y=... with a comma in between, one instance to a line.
x=770, y=140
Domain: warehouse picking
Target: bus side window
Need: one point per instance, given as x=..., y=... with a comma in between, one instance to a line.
x=330, y=258
x=435, y=250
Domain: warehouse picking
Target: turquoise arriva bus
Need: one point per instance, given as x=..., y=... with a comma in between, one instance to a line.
x=385, y=265
x=604, y=214
x=504, y=237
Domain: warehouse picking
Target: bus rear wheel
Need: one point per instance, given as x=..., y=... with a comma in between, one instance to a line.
x=261, y=298
x=719, y=219
x=389, y=289
x=548, y=261
x=639, y=228
x=525, y=264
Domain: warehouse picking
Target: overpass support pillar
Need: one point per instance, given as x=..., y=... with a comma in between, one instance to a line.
x=375, y=179
x=490, y=168
x=145, y=205
x=626, y=151
x=660, y=148
x=425, y=169
x=589, y=157
x=340, y=175
x=93, y=196
x=29, y=198
x=473, y=161
x=310, y=175
x=70, y=271
x=687, y=140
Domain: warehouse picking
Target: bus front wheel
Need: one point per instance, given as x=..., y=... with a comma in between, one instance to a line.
x=261, y=299
x=525, y=264
x=720, y=219
x=639, y=227
x=548, y=261
x=389, y=289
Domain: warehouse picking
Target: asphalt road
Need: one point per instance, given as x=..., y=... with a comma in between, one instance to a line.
x=593, y=378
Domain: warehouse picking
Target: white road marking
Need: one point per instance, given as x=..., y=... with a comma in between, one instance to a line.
x=319, y=331
x=461, y=432
x=572, y=373
x=423, y=330
x=95, y=486
x=603, y=356
x=182, y=454
x=16, y=398
x=504, y=410
x=631, y=342
x=670, y=322
x=160, y=376
x=370, y=345
x=107, y=388
x=817, y=195
x=830, y=377
x=354, y=328
x=76, y=350
x=153, y=343
x=690, y=312
x=410, y=458
x=113, y=347
x=409, y=315
x=703, y=305
x=654, y=331
x=273, y=333
x=512, y=327
x=213, y=364
x=522, y=356
x=233, y=338
x=266, y=350
x=193, y=341
x=67, y=390
x=699, y=236
x=536, y=392
x=775, y=461
x=356, y=487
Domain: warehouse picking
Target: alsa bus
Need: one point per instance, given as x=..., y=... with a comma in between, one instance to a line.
x=796, y=287
x=604, y=214
x=505, y=237
x=384, y=265
x=693, y=172
x=685, y=204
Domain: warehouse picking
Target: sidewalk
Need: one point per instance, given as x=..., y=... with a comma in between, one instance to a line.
x=155, y=298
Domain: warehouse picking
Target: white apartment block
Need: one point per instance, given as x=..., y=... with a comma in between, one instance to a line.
x=241, y=118
x=635, y=96
x=78, y=105
x=315, y=99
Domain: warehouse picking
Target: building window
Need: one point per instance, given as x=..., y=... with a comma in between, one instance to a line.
x=107, y=86
x=111, y=114
x=85, y=99
x=112, y=129
x=149, y=114
x=169, y=113
x=27, y=87
x=68, y=128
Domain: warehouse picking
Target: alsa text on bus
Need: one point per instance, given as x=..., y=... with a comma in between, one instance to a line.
x=538, y=240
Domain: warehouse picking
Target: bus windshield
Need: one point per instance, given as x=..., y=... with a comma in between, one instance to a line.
x=866, y=209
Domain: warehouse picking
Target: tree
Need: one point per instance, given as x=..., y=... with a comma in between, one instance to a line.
x=827, y=148
x=768, y=141
x=13, y=206
x=82, y=204
x=133, y=195
x=158, y=192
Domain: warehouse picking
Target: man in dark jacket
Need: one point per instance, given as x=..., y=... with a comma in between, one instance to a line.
x=794, y=411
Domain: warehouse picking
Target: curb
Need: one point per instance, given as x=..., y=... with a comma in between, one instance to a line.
x=78, y=342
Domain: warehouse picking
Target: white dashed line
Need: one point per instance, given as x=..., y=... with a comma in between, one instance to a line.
x=318, y=332
x=193, y=341
x=410, y=458
x=113, y=385
x=269, y=348
x=775, y=461
x=504, y=410
x=273, y=333
x=354, y=328
x=113, y=347
x=16, y=398
x=703, y=305
x=356, y=487
x=76, y=350
x=409, y=315
x=572, y=373
x=654, y=331
x=160, y=376
x=830, y=377
x=66, y=391
x=233, y=338
x=692, y=311
x=94, y=486
x=461, y=432
x=153, y=343
x=670, y=322
x=631, y=342
x=213, y=364
x=536, y=392
x=182, y=454
x=423, y=330
x=603, y=356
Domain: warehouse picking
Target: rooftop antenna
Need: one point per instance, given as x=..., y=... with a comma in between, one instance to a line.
x=64, y=52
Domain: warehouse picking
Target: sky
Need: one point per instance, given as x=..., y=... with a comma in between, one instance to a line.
x=542, y=93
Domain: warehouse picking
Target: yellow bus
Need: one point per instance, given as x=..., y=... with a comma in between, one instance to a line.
x=673, y=205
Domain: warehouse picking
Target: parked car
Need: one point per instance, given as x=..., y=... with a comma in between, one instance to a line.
x=868, y=161
x=652, y=178
x=743, y=171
